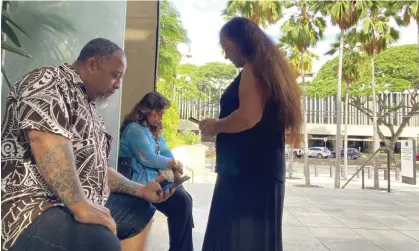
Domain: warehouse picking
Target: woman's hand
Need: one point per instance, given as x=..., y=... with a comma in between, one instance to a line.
x=179, y=167
x=208, y=127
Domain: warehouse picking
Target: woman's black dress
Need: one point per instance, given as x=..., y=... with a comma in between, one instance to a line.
x=248, y=200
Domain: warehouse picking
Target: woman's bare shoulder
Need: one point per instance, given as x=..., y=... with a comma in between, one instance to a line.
x=248, y=73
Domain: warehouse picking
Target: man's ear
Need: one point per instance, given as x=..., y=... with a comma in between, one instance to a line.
x=91, y=64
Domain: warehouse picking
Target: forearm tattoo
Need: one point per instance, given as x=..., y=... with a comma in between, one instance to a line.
x=120, y=184
x=56, y=165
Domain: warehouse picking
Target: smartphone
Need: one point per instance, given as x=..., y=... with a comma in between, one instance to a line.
x=194, y=120
x=165, y=185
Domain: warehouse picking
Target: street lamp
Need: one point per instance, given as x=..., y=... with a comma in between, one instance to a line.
x=202, y=87
x=181, y=48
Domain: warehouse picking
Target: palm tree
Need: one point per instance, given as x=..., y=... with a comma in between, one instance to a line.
x=353, y=61
x=409, y=10
x=294, y=57
x=344, y=14
x=376, y=35
x=260, y=12
x=303, y=30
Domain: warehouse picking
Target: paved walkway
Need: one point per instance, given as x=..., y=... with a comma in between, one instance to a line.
x=321, y=219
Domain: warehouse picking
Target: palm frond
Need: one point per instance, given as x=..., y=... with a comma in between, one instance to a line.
x=261, y=12
x=6, y=17
x=5, y=45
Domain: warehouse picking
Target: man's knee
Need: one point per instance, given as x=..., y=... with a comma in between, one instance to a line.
x=131, y=214
x=56, y=229
x=100, y=238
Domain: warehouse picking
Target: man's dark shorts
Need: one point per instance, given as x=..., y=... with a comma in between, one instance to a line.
x=56, y=229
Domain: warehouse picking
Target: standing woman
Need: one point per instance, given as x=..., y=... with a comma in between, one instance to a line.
x=261, y=104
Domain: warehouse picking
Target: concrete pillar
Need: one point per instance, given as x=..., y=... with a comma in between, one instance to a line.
x=141, y=48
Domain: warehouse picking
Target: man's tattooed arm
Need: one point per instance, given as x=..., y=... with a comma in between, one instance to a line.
x=55, y=161
x=120, y=184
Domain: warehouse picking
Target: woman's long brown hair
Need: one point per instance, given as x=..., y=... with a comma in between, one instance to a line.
x=271, y=68
x=152, y=101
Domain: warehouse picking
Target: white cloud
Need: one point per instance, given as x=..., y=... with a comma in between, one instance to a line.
x=202, y=20
x=203, y=25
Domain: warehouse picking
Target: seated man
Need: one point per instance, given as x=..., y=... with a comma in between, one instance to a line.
x=58, y=192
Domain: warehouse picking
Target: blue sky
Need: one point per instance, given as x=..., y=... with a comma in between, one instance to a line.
x=202, y=20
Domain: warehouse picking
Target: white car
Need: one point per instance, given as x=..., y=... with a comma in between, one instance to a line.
x=319, y=152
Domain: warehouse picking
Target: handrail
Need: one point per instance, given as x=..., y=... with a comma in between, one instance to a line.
x=192, y=172
x=363, y=166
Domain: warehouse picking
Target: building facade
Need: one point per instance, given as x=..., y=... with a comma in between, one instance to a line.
x=321, y=119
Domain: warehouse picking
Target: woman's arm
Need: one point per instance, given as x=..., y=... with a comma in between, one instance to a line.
x=165, y=151
x=251, y=106
x=144, y=149
x=164, y=148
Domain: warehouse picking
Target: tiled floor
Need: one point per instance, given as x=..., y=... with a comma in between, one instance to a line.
x=318, y=219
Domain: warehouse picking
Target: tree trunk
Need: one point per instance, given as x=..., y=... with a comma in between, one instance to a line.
x=345, y=147
x=339, y=112
x=291, y=160
x=391, y=147
x=376, y=143
x=417, y=26
x=306, y=165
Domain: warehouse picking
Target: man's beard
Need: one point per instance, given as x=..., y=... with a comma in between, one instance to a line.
x=101, y=101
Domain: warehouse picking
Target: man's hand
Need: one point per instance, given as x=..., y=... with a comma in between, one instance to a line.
x=90, y=213
x=55, y=161
x=153, y=193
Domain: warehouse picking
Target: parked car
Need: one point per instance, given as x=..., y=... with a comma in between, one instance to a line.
x=417, y=156
x=353, y=153
x=319, y=152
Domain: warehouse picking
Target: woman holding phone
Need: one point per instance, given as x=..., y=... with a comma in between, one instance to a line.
x=144, y=148
x=257, y=108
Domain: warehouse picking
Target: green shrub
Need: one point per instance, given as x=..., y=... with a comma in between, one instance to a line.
x=189, y=137
x=171, y=124
x=170, y=129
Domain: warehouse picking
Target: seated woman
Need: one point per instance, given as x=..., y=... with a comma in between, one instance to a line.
x=144, y=146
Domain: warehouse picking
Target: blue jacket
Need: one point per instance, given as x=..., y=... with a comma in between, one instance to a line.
x=138, y=143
